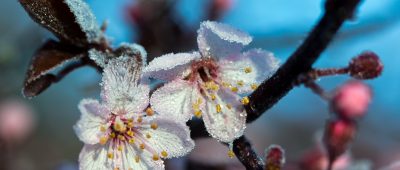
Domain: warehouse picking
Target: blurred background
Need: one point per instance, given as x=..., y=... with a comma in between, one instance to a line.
x=37, y=133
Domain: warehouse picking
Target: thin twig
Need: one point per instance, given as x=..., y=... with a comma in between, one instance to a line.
x=301, y=61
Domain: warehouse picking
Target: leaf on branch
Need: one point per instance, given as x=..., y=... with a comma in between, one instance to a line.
x=70, y=20
x=50, y=56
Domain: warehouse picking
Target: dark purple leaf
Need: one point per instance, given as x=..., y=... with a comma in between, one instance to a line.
x=70, y=20
x=51, y=55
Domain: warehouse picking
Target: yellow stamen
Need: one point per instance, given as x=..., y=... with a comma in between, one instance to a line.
x=149, y=111
x=199, y=101
x=248, y=70
x=154, y=126
x=131, y=141
x=197, y=113
x=218, y=107
x=195, y=106
x=119, y=148
x=142, y=146
x=103, y=129
x=112, y=135
x=156, y=157
x=225, y=84
x=140, y=119
x=234, y=89
x=164, y=154
x=130, y=133
x=110, y=155
x=137, y=159
x=245, y=100
x=229, y=106
x=116, y=168
x=240, y=83
x=103, y=140
x=213, y=97
x=231, y=154
x=254, y=86
x=148, y=135
x=120, y=137
x=130, y=124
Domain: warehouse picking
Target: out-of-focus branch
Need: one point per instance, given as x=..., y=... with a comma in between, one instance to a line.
x=301, y=61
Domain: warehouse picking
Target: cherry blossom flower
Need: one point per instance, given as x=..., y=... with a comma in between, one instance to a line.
x=121, y=132
x=209, y=83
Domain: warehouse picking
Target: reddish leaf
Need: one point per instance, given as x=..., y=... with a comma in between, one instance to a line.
x=51, y=55
x=70, y=20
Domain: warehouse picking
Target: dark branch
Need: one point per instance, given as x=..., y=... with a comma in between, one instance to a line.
x=301, y=61
x=246, y=154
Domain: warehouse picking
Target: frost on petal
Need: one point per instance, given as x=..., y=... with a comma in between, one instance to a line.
x=176, y=99
x=92, y=118
x=220, y=40
x=121, y=89
x=225, y=117
x=100, y=58
x=93, y=157
x=86, y=19
x=170, y=66
x=127, y=49
x=171, y=137
x=249, y=69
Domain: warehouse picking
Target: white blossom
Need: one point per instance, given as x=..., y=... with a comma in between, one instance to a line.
x=122, y=132
x=209, y=83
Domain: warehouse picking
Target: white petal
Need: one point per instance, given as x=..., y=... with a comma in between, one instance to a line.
x=262, y=64
x=93, y=157
x=171, y=136
x=175, y=99
x=229, y=124
x=129, y=50
x=100, y=58
x=121, y=88
x=220, y=40
x=92, y=118
x=170, y=66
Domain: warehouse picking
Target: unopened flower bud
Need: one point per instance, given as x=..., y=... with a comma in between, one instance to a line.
x=337, y=137
x=351, y=100
x=367, y=65
x=274, y=157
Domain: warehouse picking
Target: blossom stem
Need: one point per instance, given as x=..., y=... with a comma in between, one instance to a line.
x=301, y=61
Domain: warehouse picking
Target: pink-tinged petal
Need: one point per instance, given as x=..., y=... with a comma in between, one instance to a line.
x=92, y=118
x=249, y=68
x=176, y=99
x=170, y=66
x=171, y=136
x=121, y=89
x=220, y=40
x=225, y=117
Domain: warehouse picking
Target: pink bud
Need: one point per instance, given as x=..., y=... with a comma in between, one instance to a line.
x=223, y=5
x=16, y=121
x=275, y=157
x=337, y=137
x=366, y=66
x=351, y=100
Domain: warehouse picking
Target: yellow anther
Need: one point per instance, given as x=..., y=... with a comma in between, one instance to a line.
x=149, y=111
x=225, y=84
x=218, y=107
x=199, y=101
x=112, y=135
x=229, y=106
x=254, y=86
x=103, y=140
x=155, y=157
x=154, y=126
x=116, y=168
x=130, y=133
x=234, y=89
x=119, y=148
x=131, y=140
x=248, y=70
x=103, y=128
x=231, y=154
x=195, y=106
x=119, y=127
x=130, y=124
x=148, y=135
x=139, y=119
x=130, y=120
x=215, y=87
x=164, y=154
x=142, y=146
x=120, y=137
x=137, y=159
x=240, y=83
x=110, y=155
x=213, y=97
x=197, y=113
x=245, y=100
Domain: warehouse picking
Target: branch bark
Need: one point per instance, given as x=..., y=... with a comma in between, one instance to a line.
x=301, y=61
